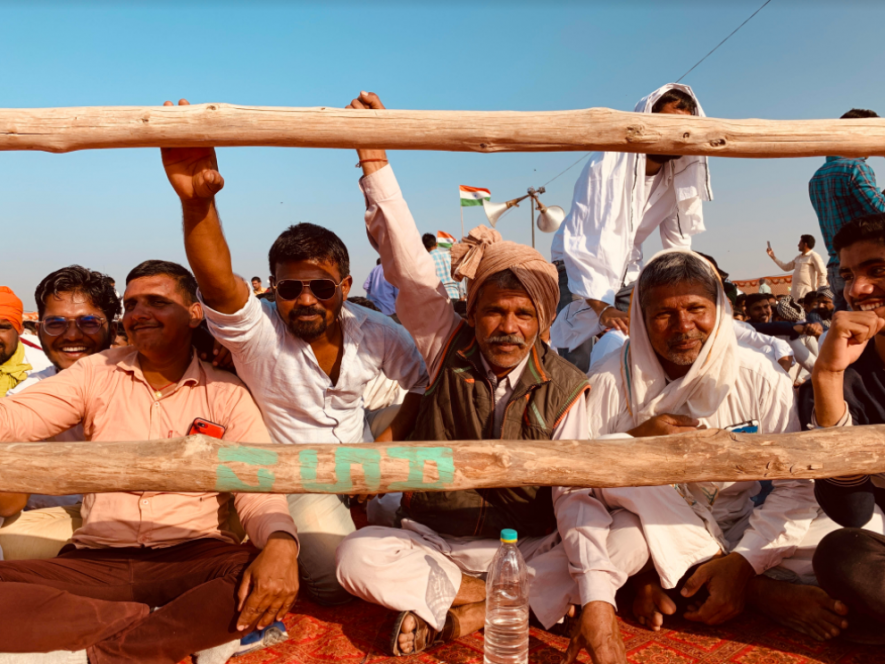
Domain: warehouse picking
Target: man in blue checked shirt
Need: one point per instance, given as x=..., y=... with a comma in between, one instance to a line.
x=842, y=190
x=442, y=261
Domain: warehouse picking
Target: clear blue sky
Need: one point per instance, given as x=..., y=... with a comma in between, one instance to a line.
x=109, y=210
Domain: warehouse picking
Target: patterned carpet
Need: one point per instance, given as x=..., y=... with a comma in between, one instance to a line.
x=359, y=632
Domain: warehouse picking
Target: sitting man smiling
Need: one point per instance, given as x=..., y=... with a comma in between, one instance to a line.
x=144, y=550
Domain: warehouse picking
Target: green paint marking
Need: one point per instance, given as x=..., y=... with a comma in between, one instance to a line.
x=250, y=455
x=417, y=457
x=345, y=457
x=227, y=480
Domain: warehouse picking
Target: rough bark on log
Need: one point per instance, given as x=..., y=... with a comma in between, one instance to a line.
x=222, y=125
x=198, y=463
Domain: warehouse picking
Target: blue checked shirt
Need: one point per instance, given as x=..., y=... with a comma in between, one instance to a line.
x=842, y=190
x=442, y=261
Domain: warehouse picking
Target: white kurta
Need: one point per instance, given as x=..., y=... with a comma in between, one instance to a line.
x=715, y=514
x=615, y=208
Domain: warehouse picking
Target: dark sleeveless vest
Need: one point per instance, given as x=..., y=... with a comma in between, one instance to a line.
x=458, y=405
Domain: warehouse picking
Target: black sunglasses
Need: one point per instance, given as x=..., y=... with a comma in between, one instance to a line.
x=323, y=289
x=57, y=325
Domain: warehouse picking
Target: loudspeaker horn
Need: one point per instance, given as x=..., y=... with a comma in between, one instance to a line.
x=550, y=218
x=495, y=210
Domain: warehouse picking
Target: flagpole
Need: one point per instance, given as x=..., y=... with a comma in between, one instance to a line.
x=462, y=218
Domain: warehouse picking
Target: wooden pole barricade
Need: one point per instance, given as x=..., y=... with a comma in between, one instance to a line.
x=223, y=125
x=198, y=463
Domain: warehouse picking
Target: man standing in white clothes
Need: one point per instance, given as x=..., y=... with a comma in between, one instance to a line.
x=619, y=200
x=809, y=271
x=306, y=358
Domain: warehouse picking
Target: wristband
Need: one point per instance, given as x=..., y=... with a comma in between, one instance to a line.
x=365, y=161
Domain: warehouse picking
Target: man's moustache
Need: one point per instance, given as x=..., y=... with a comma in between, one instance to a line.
x=305, y=311
x=682, y=338
x=508, y=339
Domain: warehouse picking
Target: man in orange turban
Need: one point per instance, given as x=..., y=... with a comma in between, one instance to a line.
x=14, y=366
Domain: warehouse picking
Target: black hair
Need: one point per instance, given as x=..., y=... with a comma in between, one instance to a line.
x=77, y=279
x=753, y=298
x=258, y=279
x=187, y=285
x=859, y=113
x=309, y=242
x=684, y=101
x=676, y=268
x=808, y=240
x=363, y=302
x=869, y=228
x=429, y=240
x=740, y=299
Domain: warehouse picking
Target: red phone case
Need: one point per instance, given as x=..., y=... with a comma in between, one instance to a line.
x=206, y=428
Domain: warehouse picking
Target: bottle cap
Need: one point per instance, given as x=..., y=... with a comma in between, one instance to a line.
x=508, y=536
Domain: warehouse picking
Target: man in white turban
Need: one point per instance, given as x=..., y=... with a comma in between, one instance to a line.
x=620, y=199
x=682, y=369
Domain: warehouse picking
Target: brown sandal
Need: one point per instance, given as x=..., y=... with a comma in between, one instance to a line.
x=425, y=636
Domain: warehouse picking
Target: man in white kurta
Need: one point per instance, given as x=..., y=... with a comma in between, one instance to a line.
x=620, y=199
x=683, y=369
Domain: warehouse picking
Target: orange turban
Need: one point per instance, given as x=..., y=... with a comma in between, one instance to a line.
x=483, y=253
x=11, y=308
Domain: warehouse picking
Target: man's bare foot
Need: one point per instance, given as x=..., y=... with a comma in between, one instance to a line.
x=415, y=635
x=651, y=603
x=807, y=609
x=406, y=638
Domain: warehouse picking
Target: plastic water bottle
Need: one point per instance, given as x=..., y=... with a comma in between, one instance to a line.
x=507, y=605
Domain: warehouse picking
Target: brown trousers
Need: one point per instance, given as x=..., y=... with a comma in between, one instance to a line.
x=103, y=600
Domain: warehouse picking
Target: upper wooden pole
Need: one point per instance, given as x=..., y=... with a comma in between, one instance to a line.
x=198, y=463
x=222, y=125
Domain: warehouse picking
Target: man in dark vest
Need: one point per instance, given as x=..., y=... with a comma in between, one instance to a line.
x=492, y=377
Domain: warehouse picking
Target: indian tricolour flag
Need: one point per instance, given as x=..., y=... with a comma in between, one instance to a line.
x=445, y=240
x=474, y=195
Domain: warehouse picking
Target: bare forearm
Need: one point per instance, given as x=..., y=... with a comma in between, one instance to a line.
x=209, y=258
x=829, y=399
x=405, y=419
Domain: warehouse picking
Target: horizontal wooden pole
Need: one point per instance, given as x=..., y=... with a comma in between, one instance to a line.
x=224, y=125
x=198, y=463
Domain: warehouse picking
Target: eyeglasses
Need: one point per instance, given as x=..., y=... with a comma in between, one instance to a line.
x=57, y=325
x=323, y=289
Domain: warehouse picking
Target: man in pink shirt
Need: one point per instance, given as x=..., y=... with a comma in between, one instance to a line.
x=150, y=577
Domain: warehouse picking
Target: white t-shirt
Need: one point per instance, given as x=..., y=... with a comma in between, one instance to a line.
x=296, y=397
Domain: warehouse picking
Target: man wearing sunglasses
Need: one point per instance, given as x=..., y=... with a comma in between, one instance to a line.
x=76, y=307
x=307, y=357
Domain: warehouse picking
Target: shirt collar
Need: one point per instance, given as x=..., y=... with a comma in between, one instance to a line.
x=511, y=379
x=193, y=375
x=836, y=158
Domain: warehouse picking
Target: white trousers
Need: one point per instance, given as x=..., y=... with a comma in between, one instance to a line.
x=677, y=540
x=416, y=569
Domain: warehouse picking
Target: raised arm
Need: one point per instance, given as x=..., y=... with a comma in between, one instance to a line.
x=422, y=305
x=786, y=267
x=193, y=174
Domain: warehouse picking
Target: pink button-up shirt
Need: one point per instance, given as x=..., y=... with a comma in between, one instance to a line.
x=108, y=394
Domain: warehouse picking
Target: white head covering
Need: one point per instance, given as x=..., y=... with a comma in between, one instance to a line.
x=691, y=174
x=701, y=391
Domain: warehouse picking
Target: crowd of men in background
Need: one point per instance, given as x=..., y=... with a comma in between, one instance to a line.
x=479, y=339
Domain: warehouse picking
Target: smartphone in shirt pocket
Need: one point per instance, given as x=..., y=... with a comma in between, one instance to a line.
x=206, y=428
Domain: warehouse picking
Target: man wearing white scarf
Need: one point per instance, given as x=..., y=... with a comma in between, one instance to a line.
x=683, y=369
x=620, y=199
